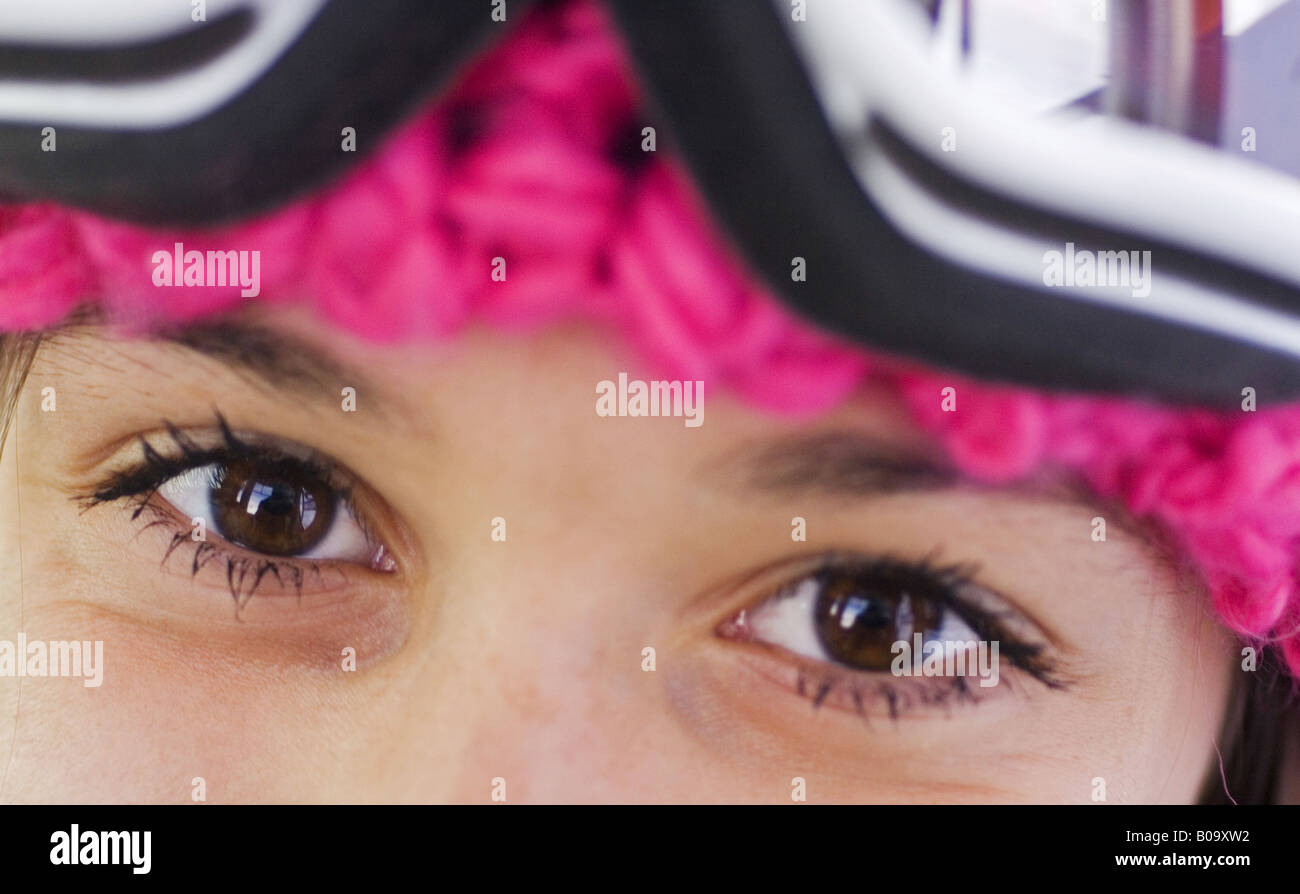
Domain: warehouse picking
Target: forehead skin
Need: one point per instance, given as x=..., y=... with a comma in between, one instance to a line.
x=522, y=659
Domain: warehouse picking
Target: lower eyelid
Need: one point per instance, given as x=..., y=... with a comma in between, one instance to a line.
x=870, y=696
x=368, y=612
x=225, y=569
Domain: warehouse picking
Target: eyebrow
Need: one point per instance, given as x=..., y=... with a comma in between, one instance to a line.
x=856, y=465
x=849, y=464
x=279, y=360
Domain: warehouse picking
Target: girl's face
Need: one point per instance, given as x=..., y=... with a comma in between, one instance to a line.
x=517, y=597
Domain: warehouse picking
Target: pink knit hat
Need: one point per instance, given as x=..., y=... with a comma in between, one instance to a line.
x=515, y=162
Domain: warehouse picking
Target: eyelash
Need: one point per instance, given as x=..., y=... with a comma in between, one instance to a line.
x=139, y=484
x=817, y=680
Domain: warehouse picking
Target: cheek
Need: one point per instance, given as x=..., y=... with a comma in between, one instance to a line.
x=170, y=709
x=1104, y=739
x=756, y=740
x=1153, y=722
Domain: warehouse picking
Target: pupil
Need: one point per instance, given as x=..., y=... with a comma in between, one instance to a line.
x=860, y=616
x=283, y=511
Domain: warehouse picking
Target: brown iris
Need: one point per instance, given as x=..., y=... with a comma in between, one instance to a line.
x=278, y=509
x=860, y=615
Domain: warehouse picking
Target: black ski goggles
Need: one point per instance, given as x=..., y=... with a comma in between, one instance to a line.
x=1096, y=195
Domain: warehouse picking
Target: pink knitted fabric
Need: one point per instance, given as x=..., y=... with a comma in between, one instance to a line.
x=528, y=159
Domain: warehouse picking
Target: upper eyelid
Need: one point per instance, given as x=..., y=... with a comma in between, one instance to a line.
x=969, y=579
x=1044, y=629
x=197, y=447
x=212, y=440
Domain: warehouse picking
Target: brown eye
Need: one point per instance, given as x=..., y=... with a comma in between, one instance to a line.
x=278, y=509
x=878, y=615
x=858, y=616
